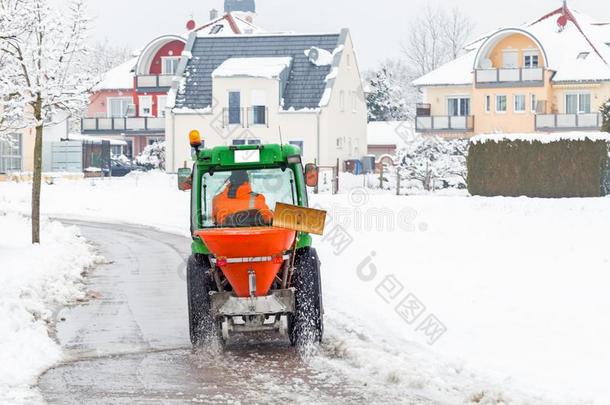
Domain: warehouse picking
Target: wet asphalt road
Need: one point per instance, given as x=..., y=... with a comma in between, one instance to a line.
x=129, y=344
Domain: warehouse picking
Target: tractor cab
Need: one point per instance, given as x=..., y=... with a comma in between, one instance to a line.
x=252, y=262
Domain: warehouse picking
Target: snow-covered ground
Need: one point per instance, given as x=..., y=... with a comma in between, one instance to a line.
x=34, y=281
x=462, y=299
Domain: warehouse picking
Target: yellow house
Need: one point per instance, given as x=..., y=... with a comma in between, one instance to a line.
x=550, y=75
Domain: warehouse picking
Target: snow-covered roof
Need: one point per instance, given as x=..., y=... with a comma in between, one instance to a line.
x=456, y=72
x=252, y=67
x=562, y=48
x=119, y=78
x=389, y=133
x=228, y=24
x=95, y=139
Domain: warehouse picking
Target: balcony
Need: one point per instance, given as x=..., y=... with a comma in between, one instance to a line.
x=145, y=125
x=523, y=77
x=154, y=82
x=442, y=123
x=568, y=122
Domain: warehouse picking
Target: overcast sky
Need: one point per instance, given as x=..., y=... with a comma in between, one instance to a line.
x=377, y=26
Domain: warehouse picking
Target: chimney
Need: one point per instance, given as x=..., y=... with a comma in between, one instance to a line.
x=213, y=14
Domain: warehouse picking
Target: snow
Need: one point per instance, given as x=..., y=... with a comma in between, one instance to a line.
x=389, y=132
x=188, y=54
x=325, y=99
x=268, y=68
x=456, y=72
x=520, y=285
x=542, y=137
x=324, y=58
x=186, y=110
x=119, y=78
x=33, y=282
x=95, y=139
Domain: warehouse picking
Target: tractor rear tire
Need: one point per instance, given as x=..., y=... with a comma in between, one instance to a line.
x=202, y=326
x=306, y=325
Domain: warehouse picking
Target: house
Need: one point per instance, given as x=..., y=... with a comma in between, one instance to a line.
x=552, y=74
x=303, y=89
x=129, y=103
x=386, y=137
x=17, y=148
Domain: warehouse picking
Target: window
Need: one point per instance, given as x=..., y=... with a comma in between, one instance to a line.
x=584, y=103
x=534, y=105
x=487, y=104
x=268, y=187
x=118, y=107
x=145, y=106
x=501, y=104
x=299, y=144
x=339, y=143
x=238, y=142
x=10, y=153
x=578, y=103
x=520, y=103
x=259, y=108
x=530, y=59
x=234, y=107
x=458, y=106
x=354, y=101
x=342, y=101
x=169, y=65
x=510, y=59
x=161, y=104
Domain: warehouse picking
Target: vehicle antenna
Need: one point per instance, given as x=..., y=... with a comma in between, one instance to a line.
x=279, y=127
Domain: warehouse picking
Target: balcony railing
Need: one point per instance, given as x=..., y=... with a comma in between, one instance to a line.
x=154, y=81
x=442, y=123
x=523, y=77
x=423, y=109
x=123, y=125
x=568, y=122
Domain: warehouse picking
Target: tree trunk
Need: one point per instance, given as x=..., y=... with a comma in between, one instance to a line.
x=37, y=179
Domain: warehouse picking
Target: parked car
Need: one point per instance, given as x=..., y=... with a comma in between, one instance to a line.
x=120, y=169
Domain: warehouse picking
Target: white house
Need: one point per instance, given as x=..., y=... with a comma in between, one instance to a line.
x=304, y=89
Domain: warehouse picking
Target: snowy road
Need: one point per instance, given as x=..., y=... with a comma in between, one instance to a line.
x=129, y=343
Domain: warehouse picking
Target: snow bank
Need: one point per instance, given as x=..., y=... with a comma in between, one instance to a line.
x=542, y=137
x=33, y=281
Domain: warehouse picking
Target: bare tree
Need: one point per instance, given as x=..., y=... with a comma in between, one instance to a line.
x=457, y=31
x=43, y=71
x=435, y=37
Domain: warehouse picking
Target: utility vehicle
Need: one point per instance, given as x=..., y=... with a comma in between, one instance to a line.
x=250, y=273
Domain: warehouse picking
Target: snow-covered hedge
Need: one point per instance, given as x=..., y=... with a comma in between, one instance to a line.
x=552, y=166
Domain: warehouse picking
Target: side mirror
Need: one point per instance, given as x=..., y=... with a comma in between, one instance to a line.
x=185, y=179
x=311, y=175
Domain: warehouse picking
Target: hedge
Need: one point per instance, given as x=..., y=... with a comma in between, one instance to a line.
x=517, y=167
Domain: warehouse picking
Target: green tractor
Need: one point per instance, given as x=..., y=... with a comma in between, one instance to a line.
x=253, y=267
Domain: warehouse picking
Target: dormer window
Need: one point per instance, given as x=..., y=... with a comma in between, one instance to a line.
x=582, y=55
x=169, y=65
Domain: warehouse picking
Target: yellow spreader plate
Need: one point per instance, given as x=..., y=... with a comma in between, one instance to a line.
x=299, y=218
